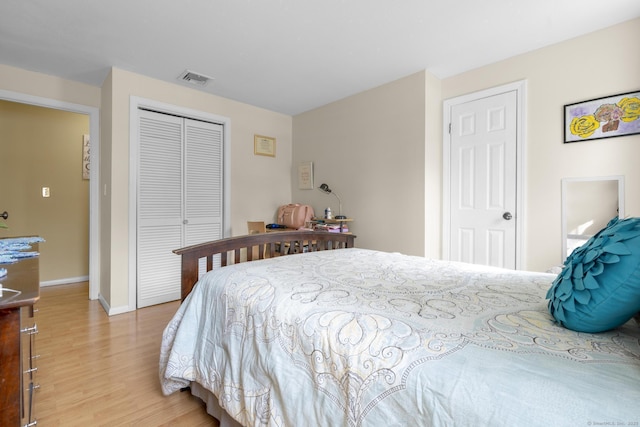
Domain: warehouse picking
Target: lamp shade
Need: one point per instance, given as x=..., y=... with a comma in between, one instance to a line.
x=325, y=188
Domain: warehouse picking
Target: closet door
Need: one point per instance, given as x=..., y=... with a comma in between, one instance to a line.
x=159, y=207
x=203, y=182
x=179, y=198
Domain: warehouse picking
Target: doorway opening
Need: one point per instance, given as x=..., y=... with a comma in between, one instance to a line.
x=94, y=126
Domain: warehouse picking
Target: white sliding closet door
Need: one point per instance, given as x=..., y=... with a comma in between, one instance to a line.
x=179, y=198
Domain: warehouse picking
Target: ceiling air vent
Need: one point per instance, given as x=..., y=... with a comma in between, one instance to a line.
x=194, y=78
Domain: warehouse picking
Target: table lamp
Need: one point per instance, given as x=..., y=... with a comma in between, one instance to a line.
x=325, y=189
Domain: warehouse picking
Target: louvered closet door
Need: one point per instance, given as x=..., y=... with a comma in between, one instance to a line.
x=160, y=215
x=203, y=182
x=179, y=198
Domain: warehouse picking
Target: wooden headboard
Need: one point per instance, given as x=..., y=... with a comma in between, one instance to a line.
x=269, y=245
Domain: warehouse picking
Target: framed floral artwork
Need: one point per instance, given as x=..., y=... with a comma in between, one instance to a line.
x=616, y=115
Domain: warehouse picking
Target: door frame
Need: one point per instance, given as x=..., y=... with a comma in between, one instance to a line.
x=520, y=87
x=136, y=103
x=94, y=173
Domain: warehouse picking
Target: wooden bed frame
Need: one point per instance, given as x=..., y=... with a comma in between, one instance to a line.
x=269, y=245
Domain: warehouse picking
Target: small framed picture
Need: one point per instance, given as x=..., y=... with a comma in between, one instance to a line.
x=86, y=160
x=264, y=145
x=616, y=115
x=305, y=176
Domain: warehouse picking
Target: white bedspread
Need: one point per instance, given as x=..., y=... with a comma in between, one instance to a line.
x=363, y=338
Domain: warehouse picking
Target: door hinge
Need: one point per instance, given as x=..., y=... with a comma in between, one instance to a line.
x=449, y=128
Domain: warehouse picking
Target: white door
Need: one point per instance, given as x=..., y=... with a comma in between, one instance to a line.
x=483, y=181
x=179, y=198
x=202, y=214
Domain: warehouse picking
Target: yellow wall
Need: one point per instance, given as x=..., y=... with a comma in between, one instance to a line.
x=42, y=147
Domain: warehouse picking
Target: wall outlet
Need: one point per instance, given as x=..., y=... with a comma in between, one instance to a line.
x=46, y=192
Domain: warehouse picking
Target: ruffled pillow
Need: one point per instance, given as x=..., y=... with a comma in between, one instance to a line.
x=599, y=286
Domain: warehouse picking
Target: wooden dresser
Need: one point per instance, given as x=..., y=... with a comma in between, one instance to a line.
x=17, y=341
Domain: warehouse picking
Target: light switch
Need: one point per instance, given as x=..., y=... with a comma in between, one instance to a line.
x=45, y=192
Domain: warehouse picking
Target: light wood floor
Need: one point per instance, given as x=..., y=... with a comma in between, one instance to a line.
x=96, y=370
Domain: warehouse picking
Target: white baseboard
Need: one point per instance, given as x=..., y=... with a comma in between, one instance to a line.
x=105, y=305
x=65, y=281
x=111, y=311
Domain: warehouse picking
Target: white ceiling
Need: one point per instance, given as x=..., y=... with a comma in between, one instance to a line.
x=288, y=55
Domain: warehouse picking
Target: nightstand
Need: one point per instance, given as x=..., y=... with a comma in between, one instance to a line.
x=332, y=225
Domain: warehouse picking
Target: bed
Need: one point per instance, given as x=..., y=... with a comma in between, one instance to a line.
x=355, y=337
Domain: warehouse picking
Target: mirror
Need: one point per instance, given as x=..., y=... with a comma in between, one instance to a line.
x=588, y=204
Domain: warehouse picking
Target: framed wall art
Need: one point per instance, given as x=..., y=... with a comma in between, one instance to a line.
x=305, y=176
x=264, y=145
x=616, y=115
x=86, y=160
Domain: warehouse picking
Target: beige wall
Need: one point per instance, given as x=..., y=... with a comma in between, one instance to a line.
x=596, y=65
x=433, y=167
x=370, y=149
x=590, y=205
x=42, y=147
x=380, y=150
x=259, y=184
x=45, y=86
x=106, y=137
x=367, y=146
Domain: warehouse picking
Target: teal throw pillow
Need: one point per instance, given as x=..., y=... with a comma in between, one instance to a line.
x=599, y=286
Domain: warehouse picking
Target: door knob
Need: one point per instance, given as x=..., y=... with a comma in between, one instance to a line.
x=507, y=216
x=4, y=215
